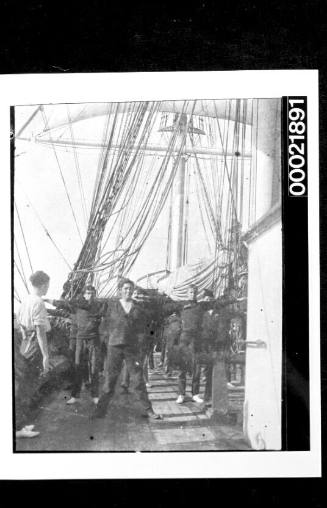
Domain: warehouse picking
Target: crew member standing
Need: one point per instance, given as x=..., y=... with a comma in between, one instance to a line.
x=145, y=339
x=34, y=323
x=226, y=306
x=88, y=313
x=191, y=320
x=191, y=314
x=34, y=355
x=171, y=335
x=206, y=347
x=126, y=319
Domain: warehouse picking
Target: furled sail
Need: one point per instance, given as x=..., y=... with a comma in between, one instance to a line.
x=203, y=274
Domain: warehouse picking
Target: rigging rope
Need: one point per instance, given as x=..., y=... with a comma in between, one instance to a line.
x=20, y=260
x=78, y=171
x=21, y=276
x=102, y=165
x=113, y=187
x=93, y=237
x=16, y=296
x=187, y=200
x=131, y=196
x=202, y=214
x=225, y=161
x=22, y=231
x=119, y=179
x=60, y=171
x=165, y=192
x=220, y=186
x=168, y=248
x=47, y=232
x=212, y=219
x=21, y=130
x=152, y=198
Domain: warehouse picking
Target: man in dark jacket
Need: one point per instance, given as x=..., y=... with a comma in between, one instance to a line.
x=206, y=348
x=126, y=320
x=191, y=315
x=171, y=335
x=145, y=338
x=88, y=312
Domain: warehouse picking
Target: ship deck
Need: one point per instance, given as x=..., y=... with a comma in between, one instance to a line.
x=185, y=427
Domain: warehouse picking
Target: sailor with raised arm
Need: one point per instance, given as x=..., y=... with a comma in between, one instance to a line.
x=88, y=311
x=125, y=320
x=191, y=313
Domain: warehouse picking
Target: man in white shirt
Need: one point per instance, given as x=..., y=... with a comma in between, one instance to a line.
x=34, y=325
x=33, y=320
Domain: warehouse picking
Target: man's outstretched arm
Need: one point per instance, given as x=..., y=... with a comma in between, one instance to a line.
x=69, y=305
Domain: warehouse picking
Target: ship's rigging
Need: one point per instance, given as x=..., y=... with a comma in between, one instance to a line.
x=144, y=151
x=164, y=193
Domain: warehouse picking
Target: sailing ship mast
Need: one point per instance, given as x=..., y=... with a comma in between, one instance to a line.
x=178, y=242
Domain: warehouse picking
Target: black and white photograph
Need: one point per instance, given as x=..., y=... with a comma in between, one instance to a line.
x=150, y=246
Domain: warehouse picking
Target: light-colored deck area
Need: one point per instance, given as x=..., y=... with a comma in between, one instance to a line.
x=185, y=427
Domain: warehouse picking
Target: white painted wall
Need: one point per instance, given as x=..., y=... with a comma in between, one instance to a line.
x=262, y=406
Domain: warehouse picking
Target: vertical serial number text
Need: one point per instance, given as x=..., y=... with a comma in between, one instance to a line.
x=297, y=146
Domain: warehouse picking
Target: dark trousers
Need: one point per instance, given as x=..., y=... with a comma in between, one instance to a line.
x=220, y=402
x=26, y=378
x=187, y=347
x=73, y=369
x=182, y=382
x=171, y=341
x=145, y=348
x=163, y=350
x=197, y=375
x=28, y=371
x=150, y=355
x=115, y=357
x=87, y=359
x=125, y=380
x=103, y=356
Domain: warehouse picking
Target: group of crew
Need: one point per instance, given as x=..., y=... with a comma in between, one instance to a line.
x=125, y=328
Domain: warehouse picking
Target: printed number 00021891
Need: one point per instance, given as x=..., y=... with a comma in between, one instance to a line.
x=297, y=147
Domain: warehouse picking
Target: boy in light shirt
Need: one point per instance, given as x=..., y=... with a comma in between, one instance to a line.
x=34, y=324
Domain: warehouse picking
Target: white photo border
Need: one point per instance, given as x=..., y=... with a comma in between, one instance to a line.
x=120, y=87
